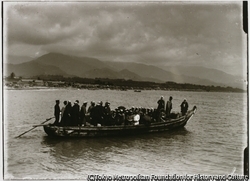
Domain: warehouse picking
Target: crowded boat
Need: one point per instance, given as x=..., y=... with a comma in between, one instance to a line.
x=99, y=114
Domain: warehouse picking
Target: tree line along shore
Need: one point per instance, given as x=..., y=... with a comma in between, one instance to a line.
x=105, y=83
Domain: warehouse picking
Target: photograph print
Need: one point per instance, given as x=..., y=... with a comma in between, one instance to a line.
x=124, y=90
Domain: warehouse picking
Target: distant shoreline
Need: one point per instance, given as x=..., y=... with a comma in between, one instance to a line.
x=74, y=88
x=28, y=88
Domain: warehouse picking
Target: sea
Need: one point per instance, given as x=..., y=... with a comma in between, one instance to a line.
x=211, y=143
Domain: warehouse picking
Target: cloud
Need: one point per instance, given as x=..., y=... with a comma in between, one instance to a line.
x=151, y=32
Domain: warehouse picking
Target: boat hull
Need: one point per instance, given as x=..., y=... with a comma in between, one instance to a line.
x=102, y=131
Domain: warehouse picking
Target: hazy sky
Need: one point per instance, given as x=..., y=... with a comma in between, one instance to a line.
x=206, y=34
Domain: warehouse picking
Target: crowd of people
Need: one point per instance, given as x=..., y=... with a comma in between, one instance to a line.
x=98, y=114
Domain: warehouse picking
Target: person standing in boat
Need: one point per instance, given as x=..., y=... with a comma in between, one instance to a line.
x=184, y=107
x=94, y=114
x=107, y=114
x=67, y=114
x=99, y=113
x=90, y=111
x=75, y=114
x=161, y=104
x=92, y=105
x=62, y=113
x=57, y=113
x=83, y=112
x=169, y=106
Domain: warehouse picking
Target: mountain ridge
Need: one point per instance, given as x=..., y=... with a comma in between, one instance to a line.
x=87, y=67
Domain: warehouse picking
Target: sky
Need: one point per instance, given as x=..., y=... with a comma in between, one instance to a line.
x=207, y=34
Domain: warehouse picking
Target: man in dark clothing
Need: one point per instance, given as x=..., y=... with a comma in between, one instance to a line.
x=107, y=114
x=90, y=112
x=75, y=114
x=63, y=115
x=57, y=112
x=184, y=107
x=83, y=112
x=161, y=104
x=67, y=114
x=169, y=106
x=97, y=116
x=92, y=105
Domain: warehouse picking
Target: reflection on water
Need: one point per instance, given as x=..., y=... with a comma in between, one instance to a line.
x=71, y=154
x=103, y=144
x=211, y=143
x=70, y=148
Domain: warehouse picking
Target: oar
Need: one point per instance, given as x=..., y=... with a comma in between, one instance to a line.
x=37, y=125
x=34, y=127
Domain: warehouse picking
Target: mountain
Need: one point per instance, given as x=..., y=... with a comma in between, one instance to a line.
x=30, y=69
x=70, y=64
x=161, y=75
x=100, y=73
x=12, y=59
x=86, y=67
x=111, y=74
x=212, y=75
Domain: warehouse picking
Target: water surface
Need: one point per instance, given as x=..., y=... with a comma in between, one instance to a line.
x=211, y=143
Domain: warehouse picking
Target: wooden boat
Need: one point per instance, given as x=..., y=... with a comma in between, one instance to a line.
x=101, y=131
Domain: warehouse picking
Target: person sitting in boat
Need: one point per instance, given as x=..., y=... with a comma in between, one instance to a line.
x=75, y=116
x=150, y=112
x=114, y=115
x=57, y=113
x=145, y=119
x=169, y=106
x=184, y=107
x=128, y=119
x=83, y=112
x=121, y=117
x=154, y=114
x=137, y=119
x=63, y=116
x=132, y=109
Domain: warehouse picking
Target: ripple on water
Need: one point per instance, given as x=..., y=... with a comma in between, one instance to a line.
x=211, y=143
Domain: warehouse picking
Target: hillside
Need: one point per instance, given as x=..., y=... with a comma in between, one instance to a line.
x=30, y=69
x=164, y=75
x=86, y=67
x=213, y=75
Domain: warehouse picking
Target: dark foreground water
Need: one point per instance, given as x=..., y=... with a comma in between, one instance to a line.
x=211, y=143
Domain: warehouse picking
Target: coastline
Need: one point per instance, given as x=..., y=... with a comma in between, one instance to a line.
x=118, y=89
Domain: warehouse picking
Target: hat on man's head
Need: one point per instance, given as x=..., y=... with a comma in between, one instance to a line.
x=57, y=101
x=85, y=102
x=77, y=101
